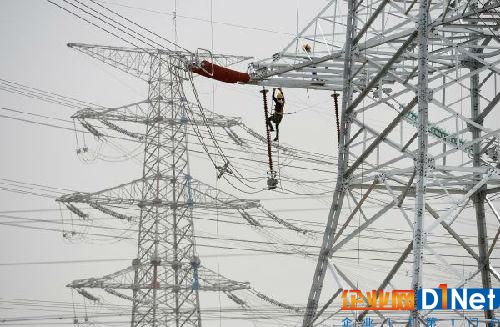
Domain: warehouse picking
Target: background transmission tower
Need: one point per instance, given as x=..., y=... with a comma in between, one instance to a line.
x=166, y=276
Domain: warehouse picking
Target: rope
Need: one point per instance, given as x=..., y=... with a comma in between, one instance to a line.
x=279, y=166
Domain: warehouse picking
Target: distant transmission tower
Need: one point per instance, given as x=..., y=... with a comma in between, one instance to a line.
x=164, y=280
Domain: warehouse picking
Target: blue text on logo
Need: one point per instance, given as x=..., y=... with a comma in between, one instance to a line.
x=443, y=298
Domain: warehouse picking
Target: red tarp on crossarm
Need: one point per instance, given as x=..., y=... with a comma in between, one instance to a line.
x=219, y=73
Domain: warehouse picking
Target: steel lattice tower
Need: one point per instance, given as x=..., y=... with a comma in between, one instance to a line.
x=425, y=75
x=165, y=232
x=166, y=276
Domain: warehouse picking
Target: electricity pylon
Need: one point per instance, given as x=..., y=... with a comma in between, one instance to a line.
x=410, y=72
x=164, y=279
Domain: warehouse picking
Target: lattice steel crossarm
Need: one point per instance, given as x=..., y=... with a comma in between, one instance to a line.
x=123, y=280
x=320, y=66
x=200, y=195
x=137, y=62
x=137, y=113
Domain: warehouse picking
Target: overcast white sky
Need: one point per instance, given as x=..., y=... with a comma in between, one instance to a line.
x=33, y=52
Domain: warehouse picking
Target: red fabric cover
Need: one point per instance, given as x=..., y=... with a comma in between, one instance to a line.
x=219, y=73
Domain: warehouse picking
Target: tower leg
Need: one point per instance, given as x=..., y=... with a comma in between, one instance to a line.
x=479, y=198
x=422, y=163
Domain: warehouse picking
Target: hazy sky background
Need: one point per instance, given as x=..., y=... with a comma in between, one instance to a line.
x=33, y=52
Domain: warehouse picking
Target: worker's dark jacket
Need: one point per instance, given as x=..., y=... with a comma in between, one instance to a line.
x=278, y=110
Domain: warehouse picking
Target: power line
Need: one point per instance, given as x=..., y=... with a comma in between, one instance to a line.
x=246, y=27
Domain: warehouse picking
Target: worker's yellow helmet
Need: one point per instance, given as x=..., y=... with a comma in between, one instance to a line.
x=279, y=95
